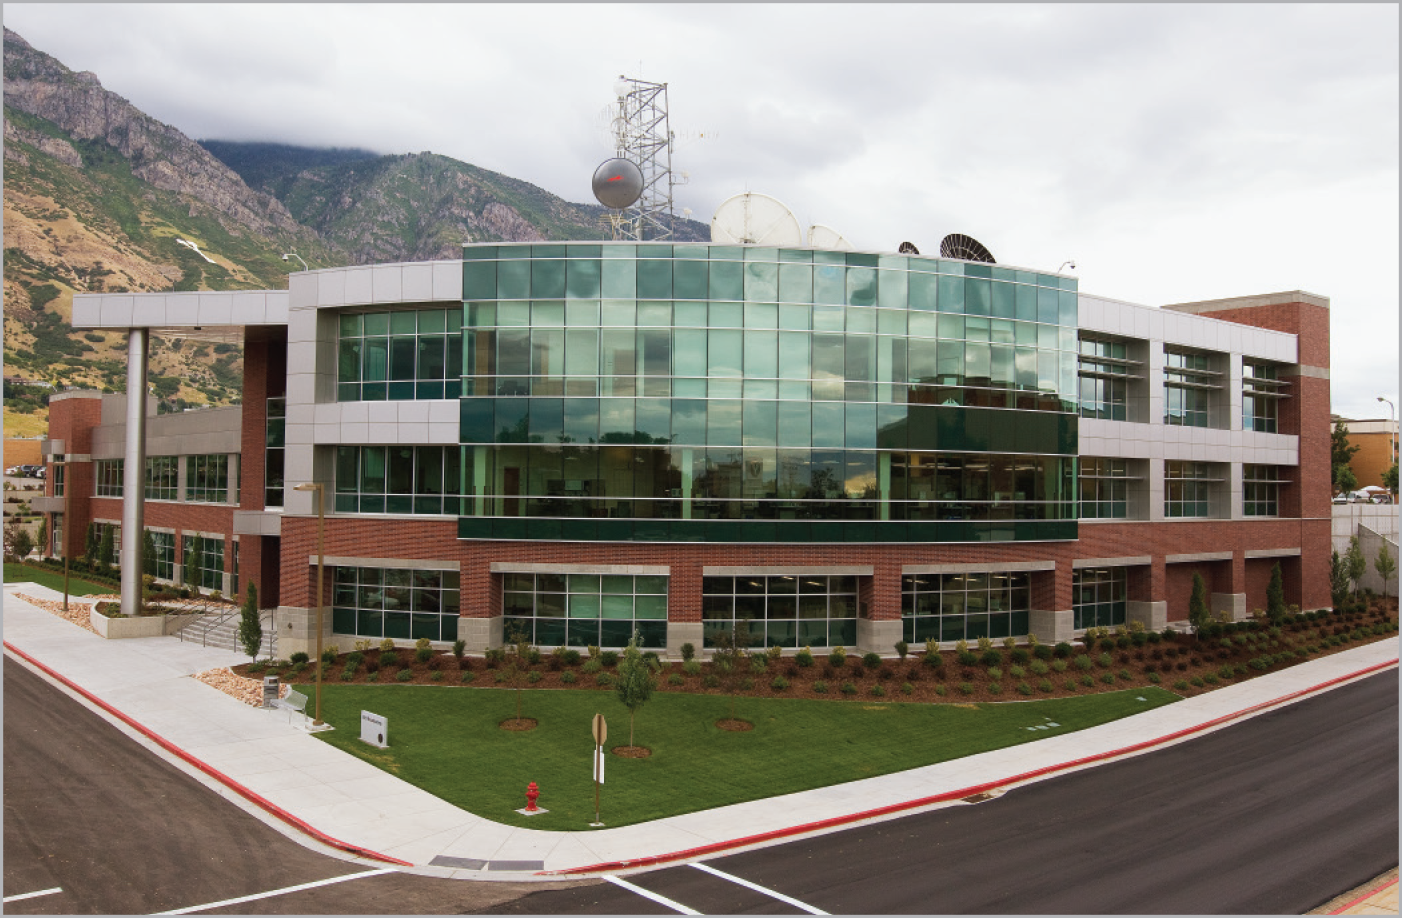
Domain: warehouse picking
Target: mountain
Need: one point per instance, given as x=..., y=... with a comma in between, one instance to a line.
x=97, y=195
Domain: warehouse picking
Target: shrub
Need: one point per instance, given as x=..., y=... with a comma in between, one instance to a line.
x=1153, y=637
x=348, y=674
x=692, y=668
x=995, y=673
x=591, y=666
x=941, y=690
x=1154, y=678
x=570, y=657
x=673, y=679
x=934, y=660
x=459, y=646
x=1043, y=652
x=422, y=654
x=884, y=673
x=1045, y=686
x=604, y=679
x=1087, y=681
x=1108, y=679
x=688, y=651
x=1083, y=662
x=1060, y=666
x=967, y=689
x=849, y=688
x=372, y=666
x=872, y=660
x=759, y=664
x=877, y=691
x=1211, y=679
x=1124, y=674
x=837, y=657
x=1070, y=685
x=821, y=687
x=1226, y=671
x=805, y=658
x=1063, y=650
x=300, y=657
x=1016, y=672
x=1038, y=668
x=901, y=648
x=387, y=646
x=966, y=658
x=779, y=683
x=908, y=688
x=710, y=681
x=984, y=643
x=1197, y=682
x=494, y=656
x=1104, y=660
x=1023, y=688
x=991, y=657
x=533, y=677
x=373, y=677
x=994, y=688
x=421, y=644
x=468, y=676
x=1019, y=655
x=500, y=676
x=609, y=657
x=404, y=675
x=355, y=658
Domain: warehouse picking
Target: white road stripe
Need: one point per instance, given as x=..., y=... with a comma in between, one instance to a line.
x=661, y=900
x=33, y=895
x=279, y=892
x=760, y=889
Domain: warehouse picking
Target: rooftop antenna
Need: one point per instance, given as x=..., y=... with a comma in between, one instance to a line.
x=642, y=137
x=755, y=219
x=965, y=248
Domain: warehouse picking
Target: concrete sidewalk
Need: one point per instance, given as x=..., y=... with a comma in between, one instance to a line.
x=362, y=806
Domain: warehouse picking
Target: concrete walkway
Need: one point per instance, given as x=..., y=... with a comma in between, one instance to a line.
x=361, y=806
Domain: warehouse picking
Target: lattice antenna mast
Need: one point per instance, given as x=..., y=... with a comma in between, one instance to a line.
x=642, y=135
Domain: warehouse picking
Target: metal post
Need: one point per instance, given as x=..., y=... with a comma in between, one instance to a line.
x=321, y=566
x=67, y=525
x=133, y=472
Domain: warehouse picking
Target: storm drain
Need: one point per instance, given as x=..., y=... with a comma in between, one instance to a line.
x=472, y=863
x=983, y=796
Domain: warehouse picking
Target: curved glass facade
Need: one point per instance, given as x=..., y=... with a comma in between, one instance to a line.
x=652, y=392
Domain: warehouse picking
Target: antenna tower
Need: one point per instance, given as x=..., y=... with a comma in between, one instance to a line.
x=642, y=136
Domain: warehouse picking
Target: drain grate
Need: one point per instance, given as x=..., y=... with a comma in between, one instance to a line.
x=462, y=863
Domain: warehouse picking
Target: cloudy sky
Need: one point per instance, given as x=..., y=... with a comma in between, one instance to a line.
x=1177, y=152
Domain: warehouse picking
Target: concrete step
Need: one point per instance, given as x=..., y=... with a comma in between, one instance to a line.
x=207, y=631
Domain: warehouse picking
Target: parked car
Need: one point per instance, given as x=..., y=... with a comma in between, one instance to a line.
x=13, y=471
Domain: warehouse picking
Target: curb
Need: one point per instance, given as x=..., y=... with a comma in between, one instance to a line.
x=1372, y=893
x=224, y=779
x=948, y=796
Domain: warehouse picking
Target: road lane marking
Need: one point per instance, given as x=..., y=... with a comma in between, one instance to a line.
x=279, y=892
x=760, y=889
x=33, y=895
x=661, y=900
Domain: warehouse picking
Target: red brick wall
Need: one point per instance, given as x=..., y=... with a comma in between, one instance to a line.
x=72, y=420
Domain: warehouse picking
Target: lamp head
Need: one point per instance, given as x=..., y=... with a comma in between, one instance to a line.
x=308, y=486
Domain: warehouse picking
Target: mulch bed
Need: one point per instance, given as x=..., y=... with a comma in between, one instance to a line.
x=518, y=724
x=1180, y=659
x=632, y=752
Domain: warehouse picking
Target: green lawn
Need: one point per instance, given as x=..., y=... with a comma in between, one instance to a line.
x=446, y=741
x=20, y=573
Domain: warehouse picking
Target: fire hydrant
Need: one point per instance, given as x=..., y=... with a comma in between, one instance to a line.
x=531, y=794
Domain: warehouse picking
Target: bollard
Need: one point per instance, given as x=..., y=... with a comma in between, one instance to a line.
x=531, y=794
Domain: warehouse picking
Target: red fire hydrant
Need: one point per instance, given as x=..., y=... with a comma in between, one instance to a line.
x=532, y=793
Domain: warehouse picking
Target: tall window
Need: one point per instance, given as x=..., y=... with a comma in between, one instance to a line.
x=109, y=477
x=955, y=607
x=273, y=452
x=1187, y=489
x=1262, y=391
x=162, y=478
x=409, y=354
x=164, y=554
x=207, y=479
x=1188, y=382
x=1102, y=488
x=204, y=562
x=1103, y=371
x=814, y=611
x=59, y=475
x=1099, y=597
x=397, y=479
x=1261, y=484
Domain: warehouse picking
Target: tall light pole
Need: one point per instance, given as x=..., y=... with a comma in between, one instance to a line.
x=62, y=467
x=1393, y=457
x=321, y=564
x=288, y=255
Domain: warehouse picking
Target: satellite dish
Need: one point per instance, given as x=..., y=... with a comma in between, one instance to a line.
x=618, y=183
x=824, y=237
x=755, y=219
x=966, y=248
x=907, y=248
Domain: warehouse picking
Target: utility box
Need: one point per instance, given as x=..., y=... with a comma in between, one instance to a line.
x=270, y=691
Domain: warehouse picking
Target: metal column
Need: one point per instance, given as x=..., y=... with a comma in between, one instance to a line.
x=134, y=471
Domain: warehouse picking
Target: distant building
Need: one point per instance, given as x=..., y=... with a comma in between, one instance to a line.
x=584, y=440
x=1373, y=459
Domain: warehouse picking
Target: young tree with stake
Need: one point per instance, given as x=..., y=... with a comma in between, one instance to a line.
x=634, y=682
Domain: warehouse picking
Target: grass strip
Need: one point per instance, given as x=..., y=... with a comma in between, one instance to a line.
x=22, y=573
x=448, y=743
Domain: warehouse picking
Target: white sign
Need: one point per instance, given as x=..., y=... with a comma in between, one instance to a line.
x=375, y=729
x=599, y=764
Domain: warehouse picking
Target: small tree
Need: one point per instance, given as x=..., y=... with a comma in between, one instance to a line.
x=92, y=542
x=1390, y=478
x=1341, y=452
x=107, y=544
x=250, y=627
x=634, y=682
x=729, y=660
x=1340, y=579
x=517, y=662
x=1198, y=605
x=1276, y=600
x=148, y=553
x=18, y=542
x=1385, y=566
x=1355, y=564
x=43, y=537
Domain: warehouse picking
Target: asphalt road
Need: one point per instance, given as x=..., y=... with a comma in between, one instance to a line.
x=1271, y=816
x=1275, y=815
x=121, y=831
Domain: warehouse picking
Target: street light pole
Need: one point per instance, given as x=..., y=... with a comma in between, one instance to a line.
x=62, y=466
x=317, y=487
x=1393, y=457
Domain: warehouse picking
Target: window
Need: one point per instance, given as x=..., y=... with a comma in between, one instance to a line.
x=379, y=603
x=204, y=562
x=1187, y=489
x=109, y=477
x=1260, y=489
x=799, y=611
x=409, y=354
x=965, y=607
x=1103, y=371
x=207, y=479
x=162, y=478
x=273, y=452
x=1099, y=597
x=56, y=548
x=1188, y=382
x=397, y=479
x=60, y=469
x=580, y=610
x=1102, y=488
x=1261, y=393
x=164, y=554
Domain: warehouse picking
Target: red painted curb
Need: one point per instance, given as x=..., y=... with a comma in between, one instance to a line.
x=1373, y=892
x=229, y=782
x=776, y=834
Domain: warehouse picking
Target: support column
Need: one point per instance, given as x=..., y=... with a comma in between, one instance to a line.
x=134, y=471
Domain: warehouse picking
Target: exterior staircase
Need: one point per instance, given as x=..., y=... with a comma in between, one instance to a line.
x=222, y=630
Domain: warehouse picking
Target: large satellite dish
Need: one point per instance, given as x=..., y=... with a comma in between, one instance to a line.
x=825, y=237
x=618, y=183
x=755, y=219
x=966, y=248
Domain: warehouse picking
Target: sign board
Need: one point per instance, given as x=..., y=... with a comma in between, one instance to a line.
x=270, y=691
x=598, y=728
x=375, y=730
